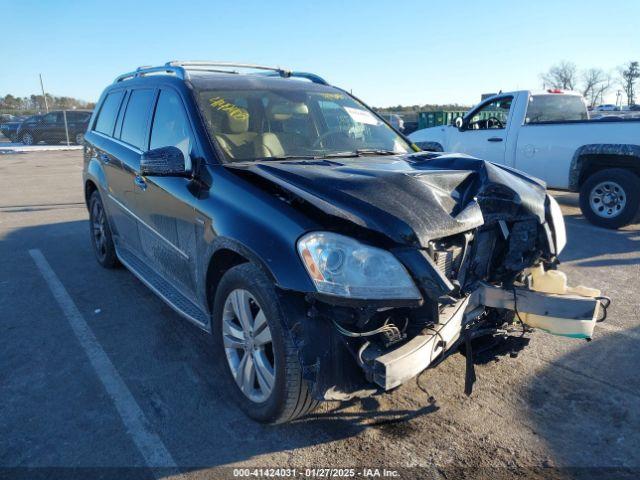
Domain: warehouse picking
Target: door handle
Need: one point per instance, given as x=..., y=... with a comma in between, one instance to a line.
x=140, y=183
x=494, y=139
x=104, y=157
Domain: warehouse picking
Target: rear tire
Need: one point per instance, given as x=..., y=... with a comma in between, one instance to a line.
x=79, y=139
x=610, y=198
x=28, y=139
x=100, y=232
x=284, y=398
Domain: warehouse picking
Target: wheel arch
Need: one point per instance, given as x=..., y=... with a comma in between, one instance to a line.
x=589, y=159
x=226, y=253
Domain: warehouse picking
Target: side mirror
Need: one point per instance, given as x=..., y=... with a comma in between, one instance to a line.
x=458, y=122
x=163, y=162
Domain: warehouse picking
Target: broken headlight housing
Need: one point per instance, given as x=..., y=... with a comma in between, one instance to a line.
x=557, y=222
x=344, y=267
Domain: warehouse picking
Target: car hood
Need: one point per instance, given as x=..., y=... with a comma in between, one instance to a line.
x=410, y=199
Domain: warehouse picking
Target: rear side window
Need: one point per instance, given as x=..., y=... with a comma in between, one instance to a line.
x=171, y=126
x=134, y=124
x=107, y=116
x=555, y=108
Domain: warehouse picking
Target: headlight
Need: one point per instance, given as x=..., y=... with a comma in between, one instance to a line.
x=344, y=267
x=557, y=221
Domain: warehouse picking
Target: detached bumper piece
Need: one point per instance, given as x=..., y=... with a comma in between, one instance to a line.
x=393, y=368
x=561, y=314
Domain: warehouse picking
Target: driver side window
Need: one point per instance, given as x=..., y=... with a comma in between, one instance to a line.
x=493, y=115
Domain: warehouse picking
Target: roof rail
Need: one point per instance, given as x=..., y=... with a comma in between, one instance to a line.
x=141, y=71
x=196, y=65
x=179, y=69
x=309, y=76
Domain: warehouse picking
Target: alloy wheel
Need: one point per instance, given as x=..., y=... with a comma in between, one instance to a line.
x=248, y=345
x=98, y=229
x=27, y=139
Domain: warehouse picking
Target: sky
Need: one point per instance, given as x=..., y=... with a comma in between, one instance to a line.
x=386, y=52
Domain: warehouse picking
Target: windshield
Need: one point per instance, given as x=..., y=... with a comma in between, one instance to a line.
x=274, y=124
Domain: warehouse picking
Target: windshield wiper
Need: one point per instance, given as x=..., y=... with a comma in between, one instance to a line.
x=360, y=152
x=375, y=151
x=286, y=157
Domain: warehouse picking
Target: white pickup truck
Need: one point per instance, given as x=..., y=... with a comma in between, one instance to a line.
x=549, y=135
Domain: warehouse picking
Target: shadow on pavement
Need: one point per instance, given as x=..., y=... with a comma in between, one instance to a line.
x=168, y=365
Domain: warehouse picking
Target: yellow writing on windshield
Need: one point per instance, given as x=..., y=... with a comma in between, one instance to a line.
x=232, y=110
x=332, y=96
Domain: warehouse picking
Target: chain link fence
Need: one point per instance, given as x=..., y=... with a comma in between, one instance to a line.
x=53, y=127
x=46, y=119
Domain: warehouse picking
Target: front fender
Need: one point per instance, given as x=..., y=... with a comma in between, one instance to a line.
x=258, y=226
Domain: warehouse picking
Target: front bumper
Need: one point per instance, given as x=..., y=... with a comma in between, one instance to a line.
x=568, y=315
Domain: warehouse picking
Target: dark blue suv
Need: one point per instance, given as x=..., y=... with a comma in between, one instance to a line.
x=328, y=258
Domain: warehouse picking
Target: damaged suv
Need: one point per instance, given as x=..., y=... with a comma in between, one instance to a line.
x=328, y=258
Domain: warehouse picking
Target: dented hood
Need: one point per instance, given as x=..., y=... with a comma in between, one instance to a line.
x=411, y=199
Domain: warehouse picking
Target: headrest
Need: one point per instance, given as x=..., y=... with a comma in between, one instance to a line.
x=284, y=111
x=237, y=121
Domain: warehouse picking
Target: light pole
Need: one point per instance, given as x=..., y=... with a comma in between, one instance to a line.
x=46, y=105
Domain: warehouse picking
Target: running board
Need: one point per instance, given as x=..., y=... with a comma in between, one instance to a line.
x=167, y=292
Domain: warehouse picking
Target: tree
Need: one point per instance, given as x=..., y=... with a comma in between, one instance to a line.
x=596, y=82
x=562, y=75
x=629, y=73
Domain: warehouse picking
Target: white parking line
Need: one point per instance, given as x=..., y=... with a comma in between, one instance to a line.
x=148, y=442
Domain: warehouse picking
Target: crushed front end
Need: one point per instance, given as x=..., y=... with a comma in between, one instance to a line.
x=478, y=245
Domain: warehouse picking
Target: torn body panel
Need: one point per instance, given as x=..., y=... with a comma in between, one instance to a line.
x=465, y=229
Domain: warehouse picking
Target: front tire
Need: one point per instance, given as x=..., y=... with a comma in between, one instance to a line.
x=101, y=238
x=255, y=349
x=79, y=139
x=610, y=198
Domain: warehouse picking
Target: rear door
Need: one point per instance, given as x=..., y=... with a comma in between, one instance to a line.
x=120, y=159
x=484, y=134
x=52, y=128
x=166, y=204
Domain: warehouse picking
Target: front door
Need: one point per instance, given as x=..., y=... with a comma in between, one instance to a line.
x=484, y=131
x=165, y=204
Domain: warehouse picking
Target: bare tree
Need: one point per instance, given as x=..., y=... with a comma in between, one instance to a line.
x=629, y=73
x=563, y=75
x=595, y=83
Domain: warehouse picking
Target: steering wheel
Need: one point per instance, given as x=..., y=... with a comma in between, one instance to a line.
x=495, y=121
x=319, y=142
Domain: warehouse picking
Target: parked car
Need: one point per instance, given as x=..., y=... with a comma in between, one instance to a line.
x=10, y=128
x=549, y=135
x=51, y=127
x=607, y=108
x=327, y=257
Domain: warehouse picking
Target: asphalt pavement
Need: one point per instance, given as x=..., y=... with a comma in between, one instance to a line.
x=100, y=378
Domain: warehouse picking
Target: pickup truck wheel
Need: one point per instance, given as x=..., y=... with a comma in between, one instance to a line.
x=610, y=198
x=101, y=233
x=255, y=349
x=79, y=139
